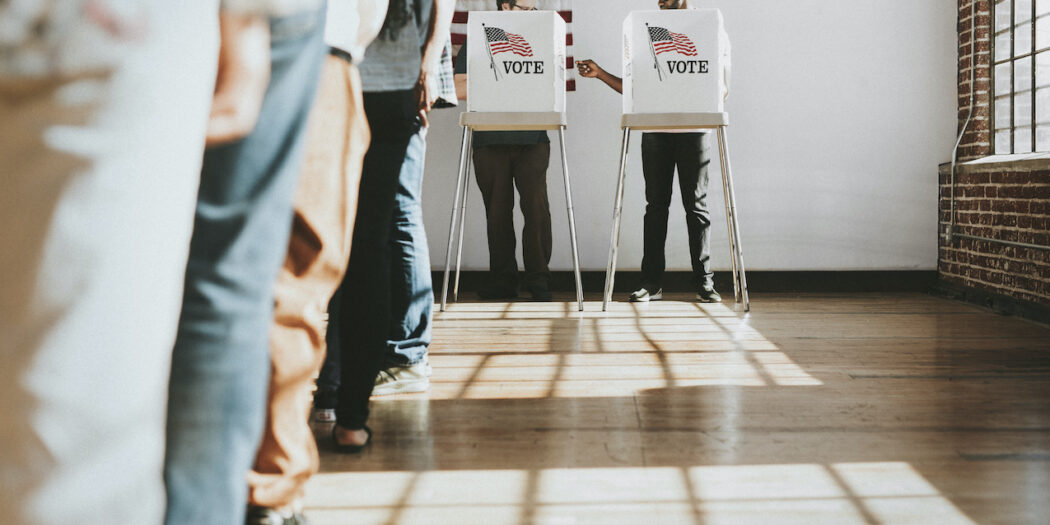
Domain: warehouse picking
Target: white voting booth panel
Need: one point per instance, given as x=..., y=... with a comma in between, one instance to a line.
x=676, y=77
x=515, y=61
x=674, y=61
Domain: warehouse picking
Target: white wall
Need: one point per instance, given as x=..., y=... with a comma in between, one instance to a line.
x=841, y=111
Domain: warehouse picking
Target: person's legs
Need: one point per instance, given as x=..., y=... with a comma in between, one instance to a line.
x=692, y=158
x=530, y=177
x=658, y=170
x=100, y=178
x=325, y=208
x=493, y=171
x=328, y=377
x=364, y=308
x=219, y=373
x=326, y=396
x=412, y=293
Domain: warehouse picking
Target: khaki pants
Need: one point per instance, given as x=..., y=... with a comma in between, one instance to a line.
x=325, y=208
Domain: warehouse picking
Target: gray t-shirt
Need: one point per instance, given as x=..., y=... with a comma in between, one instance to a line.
x=495, y=138
x=392, y=60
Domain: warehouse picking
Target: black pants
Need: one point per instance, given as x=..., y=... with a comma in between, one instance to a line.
x=661, y=154
x=359, y=316
x=499, y=169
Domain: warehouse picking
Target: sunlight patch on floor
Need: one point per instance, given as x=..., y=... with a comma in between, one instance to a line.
x=841, y=493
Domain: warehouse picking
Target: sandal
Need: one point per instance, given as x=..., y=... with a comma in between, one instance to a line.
x=350, y=449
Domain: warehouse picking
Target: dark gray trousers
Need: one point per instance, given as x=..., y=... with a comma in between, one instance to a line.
x=499, y=169
x=661, y=154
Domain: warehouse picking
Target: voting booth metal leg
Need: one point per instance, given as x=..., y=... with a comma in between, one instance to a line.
x=455, y=210
x=739, y=255
x=610, y=269
x=729, y=216
x=463, y=215
x=572, y=219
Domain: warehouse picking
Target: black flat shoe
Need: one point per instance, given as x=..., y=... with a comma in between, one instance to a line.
x=350, y=449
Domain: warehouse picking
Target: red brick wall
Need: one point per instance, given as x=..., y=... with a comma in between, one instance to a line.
x=977, y=141
x=1002, y=203
x=1008, y=201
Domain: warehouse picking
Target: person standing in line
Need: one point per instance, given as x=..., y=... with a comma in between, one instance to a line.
x=325, y=207
x=662, y=152
x=220, y=363
x=405, y=366
x=389, y=269
x=102, y=156
x=504, y=160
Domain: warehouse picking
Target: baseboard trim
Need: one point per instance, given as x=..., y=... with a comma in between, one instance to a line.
x=999, y=303
x=757, y=281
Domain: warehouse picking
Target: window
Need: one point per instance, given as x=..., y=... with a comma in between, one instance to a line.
x=1021, y=76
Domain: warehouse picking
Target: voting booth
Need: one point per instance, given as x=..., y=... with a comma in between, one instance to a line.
x=516, y=68
x=676, y=79
x=516, y=61
x=675, y=61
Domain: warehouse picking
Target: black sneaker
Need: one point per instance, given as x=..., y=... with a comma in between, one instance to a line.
x=645, y=294
x=267, y=516
x=325, y=402
x=494, y=292
x=707, y=294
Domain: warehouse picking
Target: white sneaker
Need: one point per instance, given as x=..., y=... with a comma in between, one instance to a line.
x=642, y=295
x=707, y=294
x=403, y=379
x=325, y=401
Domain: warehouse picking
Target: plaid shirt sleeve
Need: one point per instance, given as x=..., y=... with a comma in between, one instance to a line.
x=446, y=80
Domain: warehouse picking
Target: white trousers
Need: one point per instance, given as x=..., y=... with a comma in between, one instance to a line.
x=98, y=180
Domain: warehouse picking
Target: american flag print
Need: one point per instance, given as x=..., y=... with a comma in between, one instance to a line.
x=665, y=41
x=563, y=8
x=501, y=41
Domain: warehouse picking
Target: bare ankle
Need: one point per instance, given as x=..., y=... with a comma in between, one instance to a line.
x=351, y=437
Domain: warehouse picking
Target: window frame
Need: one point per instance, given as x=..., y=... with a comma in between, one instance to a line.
x=1013, y=93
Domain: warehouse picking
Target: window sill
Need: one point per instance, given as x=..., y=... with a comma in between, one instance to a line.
x=1015, y=162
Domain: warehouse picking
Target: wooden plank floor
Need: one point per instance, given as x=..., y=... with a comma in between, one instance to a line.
x=839, y=409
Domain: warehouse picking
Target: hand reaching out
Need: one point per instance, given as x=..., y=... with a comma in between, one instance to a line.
x=587, y=68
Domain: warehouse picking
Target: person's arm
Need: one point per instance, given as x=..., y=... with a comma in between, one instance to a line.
x=461, y=72
x=589, y=69
x=243, y=76
x=461, y=86
x=430, y=68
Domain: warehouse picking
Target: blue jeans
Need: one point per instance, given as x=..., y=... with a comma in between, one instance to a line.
x=220, y=365
x=411, y=289
x=382, y=313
